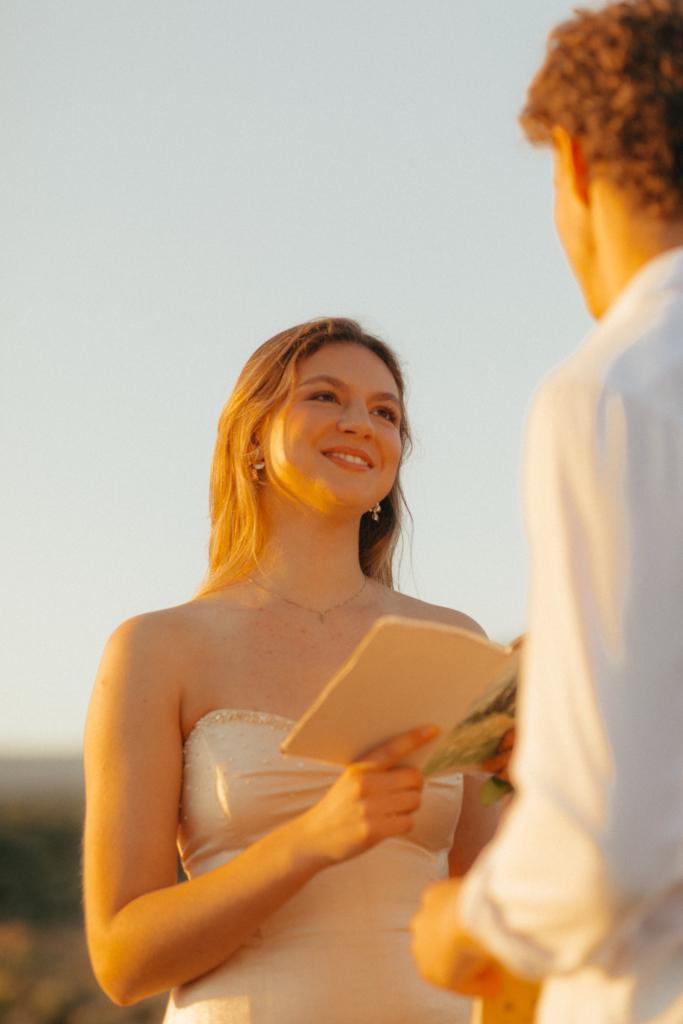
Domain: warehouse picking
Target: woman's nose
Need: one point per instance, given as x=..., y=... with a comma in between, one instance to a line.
x=354, y=418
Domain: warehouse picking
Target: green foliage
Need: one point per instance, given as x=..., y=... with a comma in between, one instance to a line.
x=45, y=975
x=493, y=790
x=39, y=868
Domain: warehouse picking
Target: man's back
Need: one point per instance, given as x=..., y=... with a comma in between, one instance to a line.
x=583, y=885
x=601, y=759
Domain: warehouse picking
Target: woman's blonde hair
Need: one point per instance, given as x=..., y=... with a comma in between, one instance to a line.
x=237, y=533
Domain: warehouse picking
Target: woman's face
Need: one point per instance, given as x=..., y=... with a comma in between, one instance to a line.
x=335, y=445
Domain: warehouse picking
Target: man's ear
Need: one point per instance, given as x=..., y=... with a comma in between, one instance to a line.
x=572, y=164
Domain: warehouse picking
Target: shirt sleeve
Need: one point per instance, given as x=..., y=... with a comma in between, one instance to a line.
x=591, y=849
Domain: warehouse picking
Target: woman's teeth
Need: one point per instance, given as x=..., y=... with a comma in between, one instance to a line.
x=355, y=459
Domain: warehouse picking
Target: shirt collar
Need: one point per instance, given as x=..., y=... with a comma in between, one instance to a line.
x=658, y=274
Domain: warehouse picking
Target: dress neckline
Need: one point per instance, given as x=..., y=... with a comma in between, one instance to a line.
x=251, y=715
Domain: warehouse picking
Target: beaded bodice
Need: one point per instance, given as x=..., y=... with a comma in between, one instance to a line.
x=238, y=786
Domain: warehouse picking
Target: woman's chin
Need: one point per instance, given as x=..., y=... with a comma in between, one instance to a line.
x=344, y=508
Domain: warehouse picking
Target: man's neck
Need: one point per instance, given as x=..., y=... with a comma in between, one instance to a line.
x=626, y=240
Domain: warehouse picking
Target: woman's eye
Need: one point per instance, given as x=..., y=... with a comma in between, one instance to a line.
x=324, y=396
x=387, y=413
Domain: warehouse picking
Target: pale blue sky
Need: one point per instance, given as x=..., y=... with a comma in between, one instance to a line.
x=180, y=180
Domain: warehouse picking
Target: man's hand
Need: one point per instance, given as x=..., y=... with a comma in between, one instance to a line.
x=444, y=953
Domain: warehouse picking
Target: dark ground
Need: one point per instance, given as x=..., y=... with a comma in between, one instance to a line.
x=45, y=976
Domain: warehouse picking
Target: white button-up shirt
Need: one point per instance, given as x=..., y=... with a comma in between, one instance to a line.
x=583, y=885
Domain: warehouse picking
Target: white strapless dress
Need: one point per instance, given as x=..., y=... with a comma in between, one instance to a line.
x=339, y=951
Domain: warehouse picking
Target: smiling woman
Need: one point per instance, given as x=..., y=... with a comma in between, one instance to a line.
x=335, y=446
x=287, y=370
x=302, y=879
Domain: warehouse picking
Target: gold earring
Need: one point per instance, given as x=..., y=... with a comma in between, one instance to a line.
x=375, y=512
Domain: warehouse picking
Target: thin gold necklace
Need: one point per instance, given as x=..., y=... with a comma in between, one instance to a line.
x=320, y=612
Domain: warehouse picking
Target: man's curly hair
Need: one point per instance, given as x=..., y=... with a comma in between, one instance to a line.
x=613, y=79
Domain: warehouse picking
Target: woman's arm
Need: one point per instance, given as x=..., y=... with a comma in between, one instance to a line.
x=146, y=933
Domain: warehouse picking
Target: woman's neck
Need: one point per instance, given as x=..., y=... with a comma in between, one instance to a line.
x=311, y=558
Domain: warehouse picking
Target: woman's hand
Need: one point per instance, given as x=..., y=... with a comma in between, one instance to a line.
x=375, y=798
x=498, y=763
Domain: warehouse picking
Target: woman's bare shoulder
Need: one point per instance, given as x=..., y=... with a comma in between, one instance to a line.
x=144, y=657
x=167, y=648
x=155, y=632
x=172, y=630
x=412, y=607
x=146, y=666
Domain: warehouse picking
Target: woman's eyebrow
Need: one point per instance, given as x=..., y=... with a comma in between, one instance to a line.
x=335, y=382
x=387, y=396
x=323, y=378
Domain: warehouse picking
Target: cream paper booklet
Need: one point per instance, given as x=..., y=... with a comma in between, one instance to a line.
x=406, y=673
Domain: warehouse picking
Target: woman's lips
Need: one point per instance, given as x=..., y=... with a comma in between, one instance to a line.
x=349, y=459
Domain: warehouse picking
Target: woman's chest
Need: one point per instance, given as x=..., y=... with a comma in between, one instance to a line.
x=276, y=665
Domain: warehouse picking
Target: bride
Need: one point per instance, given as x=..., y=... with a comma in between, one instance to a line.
x=302, y=878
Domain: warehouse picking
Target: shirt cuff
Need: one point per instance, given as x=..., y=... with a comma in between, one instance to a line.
x=484, y=920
